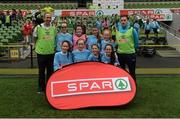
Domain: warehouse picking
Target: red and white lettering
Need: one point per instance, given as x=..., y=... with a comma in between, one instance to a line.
x=83, y=85
x=72, y=87
x=95, y=86
x=107, y=84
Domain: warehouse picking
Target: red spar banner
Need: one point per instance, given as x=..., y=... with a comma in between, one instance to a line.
x=142, y=12
x=78, y=12
x=157, y=16
x=89, y=84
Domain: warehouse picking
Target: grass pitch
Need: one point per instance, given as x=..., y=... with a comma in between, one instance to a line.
x=156, y=97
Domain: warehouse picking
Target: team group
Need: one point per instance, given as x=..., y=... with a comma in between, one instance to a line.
x=55, y=50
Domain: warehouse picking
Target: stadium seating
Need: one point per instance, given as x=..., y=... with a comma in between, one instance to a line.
x=129, y=4
x=30, y=6
x=151, y=5
x=12, y=33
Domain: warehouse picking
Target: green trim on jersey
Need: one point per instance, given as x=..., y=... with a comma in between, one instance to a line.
x=45, y=43
x=125, y=42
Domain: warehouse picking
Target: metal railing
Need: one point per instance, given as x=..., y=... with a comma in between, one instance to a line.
x=164, y=26
x=170, y=29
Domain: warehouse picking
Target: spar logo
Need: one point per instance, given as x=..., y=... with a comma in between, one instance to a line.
x=99, y=13
x=90, y=86
x=121, y=84
x=158, y=11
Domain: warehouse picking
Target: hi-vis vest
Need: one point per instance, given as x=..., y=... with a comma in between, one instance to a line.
x=125, y=42
x=45, y=43
x=48, y=9
x=7, y=19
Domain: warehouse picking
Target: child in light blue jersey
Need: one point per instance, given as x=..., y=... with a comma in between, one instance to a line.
x=95, y=55
x=106, y=39
x=80, y=54
x=94, y=38
x=98, y=24
x=147, y=28
x=109, y=56
x=136, y=26
x=62, y=36
x=64, y=57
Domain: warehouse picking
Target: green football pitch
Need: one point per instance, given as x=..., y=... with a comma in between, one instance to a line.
x=156, y=97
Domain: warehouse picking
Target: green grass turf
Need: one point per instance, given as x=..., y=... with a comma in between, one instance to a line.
x=156, y=97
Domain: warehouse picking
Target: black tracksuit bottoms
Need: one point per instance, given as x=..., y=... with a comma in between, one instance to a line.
x=130, y=61
x=45, y=64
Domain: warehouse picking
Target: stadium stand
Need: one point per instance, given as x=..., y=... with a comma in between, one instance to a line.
x=13, y=34
x=72, y=4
